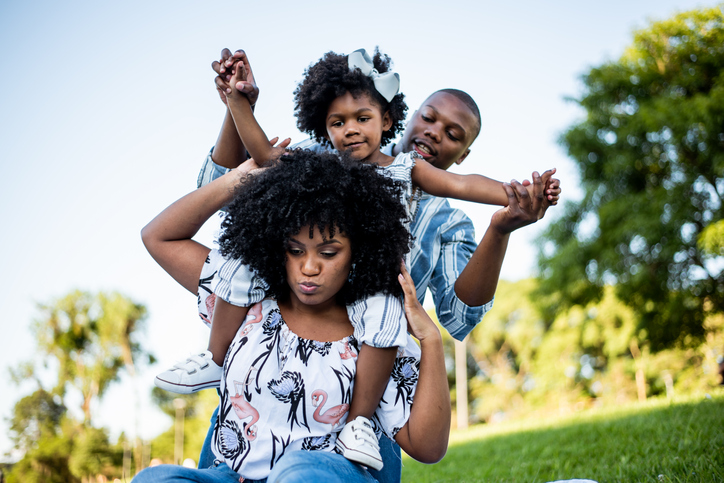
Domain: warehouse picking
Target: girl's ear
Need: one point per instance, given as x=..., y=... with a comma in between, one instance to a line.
x=386, y=121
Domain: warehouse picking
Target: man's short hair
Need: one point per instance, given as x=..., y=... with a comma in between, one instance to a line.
x=469, y=102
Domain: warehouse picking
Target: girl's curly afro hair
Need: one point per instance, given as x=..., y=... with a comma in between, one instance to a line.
x=331, y=78
x=328, y=192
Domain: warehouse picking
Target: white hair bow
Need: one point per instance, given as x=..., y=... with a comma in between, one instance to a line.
x=387, y=84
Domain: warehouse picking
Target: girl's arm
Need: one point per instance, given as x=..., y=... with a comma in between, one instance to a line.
x=469, y=187
x=168, y=236
x=425, y=435
x=250, y=132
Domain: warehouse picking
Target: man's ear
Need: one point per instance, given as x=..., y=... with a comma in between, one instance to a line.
x=462, y=158
x=386, y=121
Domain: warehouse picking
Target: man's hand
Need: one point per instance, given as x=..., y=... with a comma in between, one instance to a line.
x=226, y=68
x=552, y=187
x=526, y=205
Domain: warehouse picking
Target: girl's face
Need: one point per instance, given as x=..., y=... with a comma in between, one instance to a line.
x=355, y=125
x=317, y=266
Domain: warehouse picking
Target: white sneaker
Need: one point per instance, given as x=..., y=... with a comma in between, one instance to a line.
x=194, y=374
x=357, y=442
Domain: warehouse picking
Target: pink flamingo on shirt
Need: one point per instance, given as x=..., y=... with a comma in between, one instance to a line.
x=331, y=415
x=252, y=317
x=210, y=302
x=348, y=353
x=243, y=410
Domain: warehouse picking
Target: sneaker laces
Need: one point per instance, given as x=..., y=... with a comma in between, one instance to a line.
x=363, y=430
x=192, y=363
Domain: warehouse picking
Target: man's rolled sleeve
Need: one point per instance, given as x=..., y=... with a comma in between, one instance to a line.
x=210, y=171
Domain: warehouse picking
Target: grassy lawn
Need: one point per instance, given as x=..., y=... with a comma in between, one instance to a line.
x=658, y=441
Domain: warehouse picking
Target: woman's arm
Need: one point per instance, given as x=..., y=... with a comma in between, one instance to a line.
x=168, y=236
x=425, y=435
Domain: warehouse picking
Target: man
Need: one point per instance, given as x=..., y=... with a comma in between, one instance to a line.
x=462, y=276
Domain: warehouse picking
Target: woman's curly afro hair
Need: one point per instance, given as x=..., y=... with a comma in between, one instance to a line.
x=328, y=192
x=331, y=78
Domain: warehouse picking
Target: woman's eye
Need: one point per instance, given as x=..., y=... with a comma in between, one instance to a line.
x=329, y=254
x=294, y=251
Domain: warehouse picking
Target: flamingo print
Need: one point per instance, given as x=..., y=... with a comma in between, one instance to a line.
x=252, y=317
x=243, y=410
x=331, y=415
x=210, y=302
x=348, y=353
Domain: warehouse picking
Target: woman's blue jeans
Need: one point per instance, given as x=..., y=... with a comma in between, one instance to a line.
x=390, y=451
x=294, y=467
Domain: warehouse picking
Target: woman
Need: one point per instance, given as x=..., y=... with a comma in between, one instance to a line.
x=323, y=233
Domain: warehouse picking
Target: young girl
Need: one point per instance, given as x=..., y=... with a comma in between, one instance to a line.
x=351, y=102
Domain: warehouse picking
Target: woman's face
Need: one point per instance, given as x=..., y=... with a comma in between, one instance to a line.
x=317, y=266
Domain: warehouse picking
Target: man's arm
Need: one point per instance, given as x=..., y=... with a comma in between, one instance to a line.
x=477, y=283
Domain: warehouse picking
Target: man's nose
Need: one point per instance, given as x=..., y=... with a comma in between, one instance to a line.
x=433, y=132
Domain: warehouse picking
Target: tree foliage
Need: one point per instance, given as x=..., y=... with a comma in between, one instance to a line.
x=88, y=339
x=651, y=158
x=39, y=427
x=91, y=338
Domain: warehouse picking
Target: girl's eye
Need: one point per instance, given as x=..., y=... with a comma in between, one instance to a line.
x=363, y=119
x=294, y=251
x=329, y=254
x=336, y=123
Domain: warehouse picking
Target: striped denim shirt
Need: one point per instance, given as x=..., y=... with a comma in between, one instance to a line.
x=444, y=243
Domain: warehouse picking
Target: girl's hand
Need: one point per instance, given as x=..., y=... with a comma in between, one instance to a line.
x=544, y=187
x=419, y=324
x=225, y=69
x=251, y=167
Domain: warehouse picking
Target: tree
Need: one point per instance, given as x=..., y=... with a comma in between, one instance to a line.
x=91, y=338
x=40, y=429
x=651, y=158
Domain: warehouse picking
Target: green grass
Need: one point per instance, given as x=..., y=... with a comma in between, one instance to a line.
x=658, y=441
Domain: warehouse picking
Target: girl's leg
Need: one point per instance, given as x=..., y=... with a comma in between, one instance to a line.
x=204, y=371
x=306, y=466
x=357, y=441
x=374, y=366
x=225, y=323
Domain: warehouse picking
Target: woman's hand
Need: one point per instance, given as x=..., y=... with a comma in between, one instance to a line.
x=419, y=324
x=425, y=435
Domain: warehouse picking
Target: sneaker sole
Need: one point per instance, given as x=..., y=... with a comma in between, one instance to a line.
x=184, y=388
x=360, y=457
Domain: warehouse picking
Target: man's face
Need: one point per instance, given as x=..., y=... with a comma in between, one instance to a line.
x=441, y=130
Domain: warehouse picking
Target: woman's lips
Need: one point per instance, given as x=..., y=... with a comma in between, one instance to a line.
x=308, y=288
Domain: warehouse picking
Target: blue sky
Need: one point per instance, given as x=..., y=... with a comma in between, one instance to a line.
x=109, y=108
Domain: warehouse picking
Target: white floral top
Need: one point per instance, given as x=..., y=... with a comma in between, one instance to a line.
x=281, y=392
